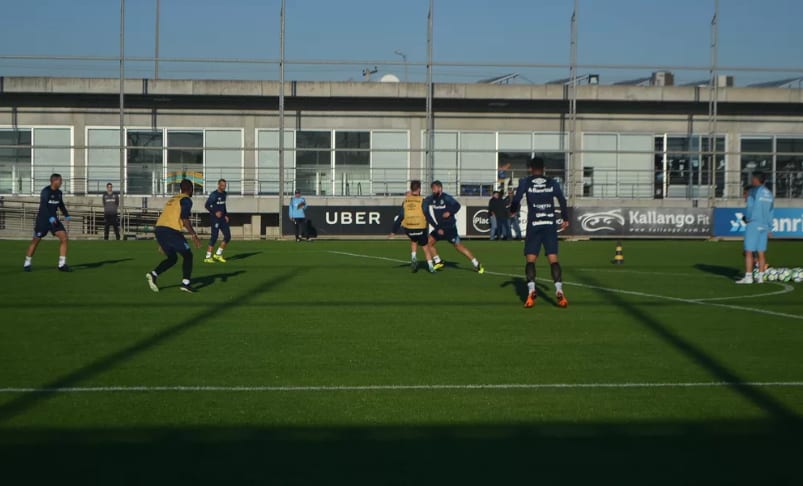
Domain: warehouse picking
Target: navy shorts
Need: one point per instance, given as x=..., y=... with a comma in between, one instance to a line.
x=449, y=234
x=218, y=226
x=419, y=236
x=546, y=238
x=42, y=228
x=171, y=241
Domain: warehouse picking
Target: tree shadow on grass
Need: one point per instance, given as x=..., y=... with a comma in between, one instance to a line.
x=638, y=452
x=719, y=270
x=22, y=403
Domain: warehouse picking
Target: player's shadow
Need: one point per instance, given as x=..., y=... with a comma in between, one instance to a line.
x=726, y=272
x=209, y=280
x=243, y=256
x=93, y=265
x=520, y=287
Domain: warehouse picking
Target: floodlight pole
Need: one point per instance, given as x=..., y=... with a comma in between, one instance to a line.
x=713, y=102
x=123, y=181
x=430, y=143
x=570, y=159
x=156, y=41
x=281, y=119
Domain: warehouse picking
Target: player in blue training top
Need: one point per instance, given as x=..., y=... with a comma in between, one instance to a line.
x=219, y=219
x=543, y=223
x=758, y=216
x=440, y=209
x=47, y=221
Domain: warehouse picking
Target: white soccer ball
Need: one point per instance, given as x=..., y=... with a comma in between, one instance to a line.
x=771, y=275
x=785, y=275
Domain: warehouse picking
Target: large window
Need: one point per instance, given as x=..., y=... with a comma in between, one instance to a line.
x=268, y=162
x=389, y=162
x=144, y=168
x=314, y=162
x=52, y=154
x=478, y=159
x=789, y=168
x=15, y=161
x=352, y=163
x=223, y=159
x=686, y=168
x=445, y=160
x=185, y=158
x=103, y=159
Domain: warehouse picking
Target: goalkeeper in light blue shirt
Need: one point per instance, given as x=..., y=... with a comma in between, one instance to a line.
x=758, y=216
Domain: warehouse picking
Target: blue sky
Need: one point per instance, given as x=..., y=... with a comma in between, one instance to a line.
x=664, y=32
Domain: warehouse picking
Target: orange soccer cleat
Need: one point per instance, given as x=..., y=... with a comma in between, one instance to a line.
x=530, y=300
x=562, y=302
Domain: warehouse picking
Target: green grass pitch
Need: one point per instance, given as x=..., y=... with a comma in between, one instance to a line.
x=331, y=362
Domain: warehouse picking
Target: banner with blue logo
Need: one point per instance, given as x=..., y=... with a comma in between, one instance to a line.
x=787, y=222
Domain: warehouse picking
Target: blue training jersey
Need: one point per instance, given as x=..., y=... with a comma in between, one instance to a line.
x=541, y=192
x=216, y=202
x=760, y=207
x=436, y=206
x=50, y=201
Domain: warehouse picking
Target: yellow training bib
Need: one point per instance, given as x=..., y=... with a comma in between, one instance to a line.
x=414, y=213
x=171, y=214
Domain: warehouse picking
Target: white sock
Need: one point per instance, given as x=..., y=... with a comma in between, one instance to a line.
x=531, y=286
x=28, y=261
x=209, y=254
x=437, y=259
x=154, y=274
x=748, y=275
x=62, y=261
x=219, y=251
x=414, y=256
x=430, y=264
x=475, y=262
x=559, y=287
x=185, y=281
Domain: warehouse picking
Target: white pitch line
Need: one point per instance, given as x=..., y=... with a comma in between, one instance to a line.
x=786, y=289
x=615, y=291
x=381, y=388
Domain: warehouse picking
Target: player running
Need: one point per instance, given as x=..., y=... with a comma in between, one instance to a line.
x=50, y=201
x=440, y=209
x=412, y=219
x=542, y=226
x=219, y=219
x=174, y=218
x=758, y=216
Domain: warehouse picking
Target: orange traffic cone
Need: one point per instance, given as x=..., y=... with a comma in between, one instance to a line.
x=619, y=259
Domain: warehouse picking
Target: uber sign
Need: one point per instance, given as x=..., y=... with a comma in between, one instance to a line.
x=346, y=220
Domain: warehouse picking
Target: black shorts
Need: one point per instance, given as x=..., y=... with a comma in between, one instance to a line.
x=538, y=238
x=418, y=236
x=449, y=234
x=171, y=241
x=42, y=228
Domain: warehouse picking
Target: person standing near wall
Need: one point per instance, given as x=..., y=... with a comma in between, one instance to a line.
x=298, y=215
x=111, y=212
x=515, y=224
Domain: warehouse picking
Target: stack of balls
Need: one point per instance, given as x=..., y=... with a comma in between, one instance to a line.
x=782, y=275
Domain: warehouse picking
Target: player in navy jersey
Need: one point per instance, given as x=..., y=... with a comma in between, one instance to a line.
x=47, y=221
x=543, y=224
x=219, y=218
x=440, y=209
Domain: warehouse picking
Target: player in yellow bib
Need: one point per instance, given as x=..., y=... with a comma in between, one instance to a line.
x=412, y=219
x=174, y=218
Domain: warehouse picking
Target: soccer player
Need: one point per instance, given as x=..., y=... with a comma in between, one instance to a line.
x=412, y=219
x=111, y=212
x=298, y=215
x=542, y=226
x=219, y=218
x=440, y=209
x=758, y=216
x=174, y=218
x=47, y=221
